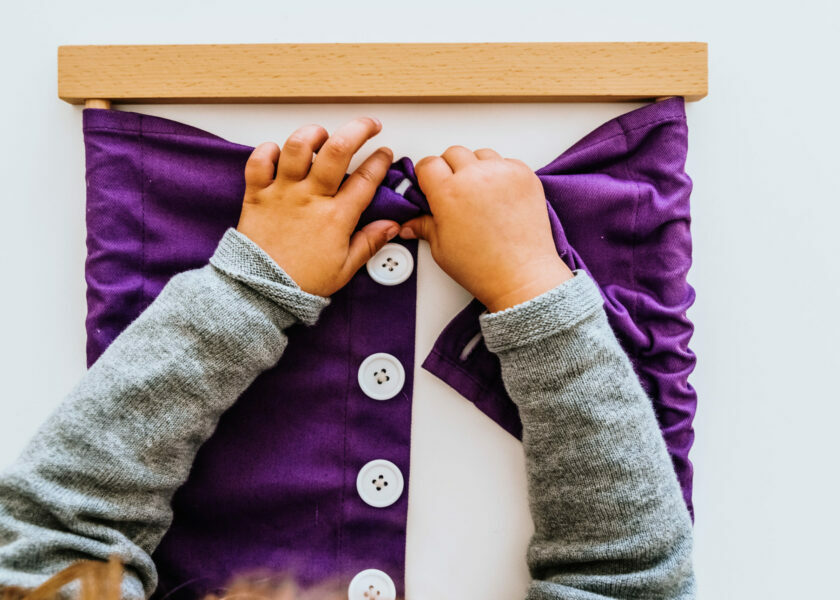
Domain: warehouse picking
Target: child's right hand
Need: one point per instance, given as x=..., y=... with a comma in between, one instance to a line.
x=489, y=227
x=303, y=212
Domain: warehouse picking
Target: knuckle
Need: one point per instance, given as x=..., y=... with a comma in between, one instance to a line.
x=260, y=196
x=258, y=171
x=296, y=143
x=260, y=160
x=365, y=173
x=251, y=199
x=338, y=146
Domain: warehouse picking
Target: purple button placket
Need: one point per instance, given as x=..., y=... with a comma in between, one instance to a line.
x=380, y=319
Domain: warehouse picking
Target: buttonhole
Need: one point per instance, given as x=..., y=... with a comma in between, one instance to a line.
x=403, y=186
x=465, y=353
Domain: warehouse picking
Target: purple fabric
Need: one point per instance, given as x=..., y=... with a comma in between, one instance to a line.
x=274, y=486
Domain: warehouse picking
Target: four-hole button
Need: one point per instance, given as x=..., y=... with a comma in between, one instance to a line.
x=372, y=584
x=381, y=376
x=380, y=483
x=392, y=265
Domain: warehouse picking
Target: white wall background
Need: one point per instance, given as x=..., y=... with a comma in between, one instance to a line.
x=763, y=155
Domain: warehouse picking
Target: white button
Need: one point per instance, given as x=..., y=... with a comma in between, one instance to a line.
x=380, y=483
x=391, y=265
x=381, y=376
x=372, y=584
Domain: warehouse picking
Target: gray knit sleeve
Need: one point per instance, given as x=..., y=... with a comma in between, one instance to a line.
x=609, y=518
x=98, y=477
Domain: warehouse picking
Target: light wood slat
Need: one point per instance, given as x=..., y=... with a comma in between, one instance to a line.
x=482, y=72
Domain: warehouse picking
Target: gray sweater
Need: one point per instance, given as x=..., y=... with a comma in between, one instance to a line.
x=98, y=477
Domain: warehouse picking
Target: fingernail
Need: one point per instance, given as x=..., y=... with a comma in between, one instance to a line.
x=385, y=150
x=377, y=121
x=392, y=232
x=407, y=233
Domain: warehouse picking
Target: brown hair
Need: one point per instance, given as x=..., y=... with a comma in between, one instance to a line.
x=102, y=581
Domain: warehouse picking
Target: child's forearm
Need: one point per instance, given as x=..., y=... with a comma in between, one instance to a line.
x=98, y=478
x=609, y=517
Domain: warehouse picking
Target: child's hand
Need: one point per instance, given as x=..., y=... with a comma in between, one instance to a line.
x=301, y=218
x=490, y=230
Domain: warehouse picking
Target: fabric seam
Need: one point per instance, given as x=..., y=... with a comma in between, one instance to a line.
x=169, y=133
x=142, y=215
x=634, y=235
x=347, y=387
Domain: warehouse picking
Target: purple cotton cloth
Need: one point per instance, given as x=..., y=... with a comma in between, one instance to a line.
x=275, y=486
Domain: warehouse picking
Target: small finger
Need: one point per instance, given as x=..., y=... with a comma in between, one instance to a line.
x=458, y=157
x=487, y=153
x=260, y=167
x=366, y=242
x=419, y=228
x=358, y=189
x=296, y=156
x=331, y=162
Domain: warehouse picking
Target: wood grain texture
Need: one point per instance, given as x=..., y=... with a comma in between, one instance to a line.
x=482, y=72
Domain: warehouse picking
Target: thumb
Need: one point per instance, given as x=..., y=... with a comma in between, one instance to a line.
x=420, y=227
x=368, y=241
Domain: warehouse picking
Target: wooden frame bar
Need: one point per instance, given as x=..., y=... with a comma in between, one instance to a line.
x=483, y=72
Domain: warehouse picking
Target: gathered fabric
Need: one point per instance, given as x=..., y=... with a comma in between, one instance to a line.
x=277, y=485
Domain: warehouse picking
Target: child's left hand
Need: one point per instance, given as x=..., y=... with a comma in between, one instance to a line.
x=301, y=218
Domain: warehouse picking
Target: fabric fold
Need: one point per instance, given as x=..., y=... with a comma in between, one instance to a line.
x=275, y=485
x=618, y=204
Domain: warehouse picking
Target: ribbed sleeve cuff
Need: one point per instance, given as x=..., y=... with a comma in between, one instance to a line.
x=543, y=316
x=240, y=258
